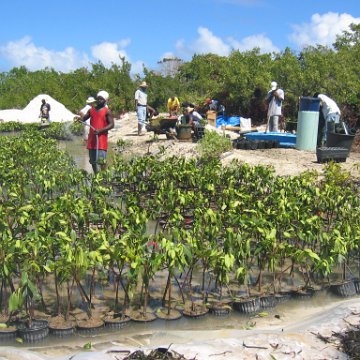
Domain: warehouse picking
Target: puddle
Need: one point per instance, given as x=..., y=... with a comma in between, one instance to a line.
x=77, y=150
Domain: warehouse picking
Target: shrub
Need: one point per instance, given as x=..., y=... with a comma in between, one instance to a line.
x=212, y=145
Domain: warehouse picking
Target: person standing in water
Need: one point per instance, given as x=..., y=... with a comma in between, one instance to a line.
x=101, y=121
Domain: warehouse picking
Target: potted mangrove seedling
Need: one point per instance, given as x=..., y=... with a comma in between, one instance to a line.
x=29, y=329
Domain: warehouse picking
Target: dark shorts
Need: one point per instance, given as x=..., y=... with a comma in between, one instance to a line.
x=101, y=156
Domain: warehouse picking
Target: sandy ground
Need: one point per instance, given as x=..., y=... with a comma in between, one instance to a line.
x=286, y=161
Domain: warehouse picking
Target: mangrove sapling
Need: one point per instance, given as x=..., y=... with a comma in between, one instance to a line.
x=207, y=230
x=222, y=265
x=173, y=258
x=23, y=298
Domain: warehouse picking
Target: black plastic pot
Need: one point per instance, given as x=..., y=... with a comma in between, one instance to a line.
x=7, y=334
x=83, y=329
x=267, y=301
x=337, y=154
x=282, y=296
x=357, y=285
x=38, y=331
x=220, y=308
x=61, y=332
x=247, y=306
x=199, y=131
x=196, y=314
x=117, y=322
x=343, y=289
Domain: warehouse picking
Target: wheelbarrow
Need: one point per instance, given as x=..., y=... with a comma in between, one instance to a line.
x=166, y=126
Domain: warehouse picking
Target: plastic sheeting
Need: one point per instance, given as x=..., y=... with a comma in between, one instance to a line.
x=227, y=120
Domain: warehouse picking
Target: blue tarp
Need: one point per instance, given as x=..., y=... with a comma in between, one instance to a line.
x=284, y=139
x=227, y=120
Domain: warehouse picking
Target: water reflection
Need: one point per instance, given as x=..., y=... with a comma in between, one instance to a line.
x=77, y=150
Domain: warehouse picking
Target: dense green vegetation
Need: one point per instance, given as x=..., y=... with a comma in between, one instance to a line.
x=65, y=230
x=239, y=81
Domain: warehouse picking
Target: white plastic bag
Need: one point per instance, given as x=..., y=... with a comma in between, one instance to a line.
x=245, y=124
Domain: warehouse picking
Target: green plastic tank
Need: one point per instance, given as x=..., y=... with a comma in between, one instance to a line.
x=308, y=123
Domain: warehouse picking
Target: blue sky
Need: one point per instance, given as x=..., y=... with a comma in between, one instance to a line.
x=69, y=34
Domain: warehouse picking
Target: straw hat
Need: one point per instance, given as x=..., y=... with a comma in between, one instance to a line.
x=143, y=84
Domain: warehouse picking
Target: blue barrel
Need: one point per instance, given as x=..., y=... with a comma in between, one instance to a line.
x=308, y=103
x=308, y=123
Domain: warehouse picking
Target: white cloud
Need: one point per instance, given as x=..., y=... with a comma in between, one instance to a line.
x=206, y=42
x=23, y=52
x=250, y=42
x=137, y=67
x=109, y=53
x=322, y=29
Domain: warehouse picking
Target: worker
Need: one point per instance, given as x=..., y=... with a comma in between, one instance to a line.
x=331, y=113
x=194, y=117
x=173, y=105
x=101, y=121
x=44, y=112
x=141, y=107
x=214, y=105
x=274, y=98
x=150, y=113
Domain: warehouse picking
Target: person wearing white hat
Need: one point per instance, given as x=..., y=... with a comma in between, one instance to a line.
x=90, y=101
x=194, y=117
x=141, y=106
x=101, y=121
x=274, y=98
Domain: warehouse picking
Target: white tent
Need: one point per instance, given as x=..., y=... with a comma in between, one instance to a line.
x=30, y=113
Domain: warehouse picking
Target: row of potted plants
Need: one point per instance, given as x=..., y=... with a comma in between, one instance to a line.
x=190, y=222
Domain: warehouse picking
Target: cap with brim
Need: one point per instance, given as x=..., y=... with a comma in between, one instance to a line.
x=90, y=100
x=273, y=85
x=190, y=109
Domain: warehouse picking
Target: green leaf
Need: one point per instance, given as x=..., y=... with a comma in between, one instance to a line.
x=87, y=346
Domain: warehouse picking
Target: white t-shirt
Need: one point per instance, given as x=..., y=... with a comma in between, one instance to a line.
x=329, y=106
x=141, y=97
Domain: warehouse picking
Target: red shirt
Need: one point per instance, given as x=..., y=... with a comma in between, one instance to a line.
x=98, y=121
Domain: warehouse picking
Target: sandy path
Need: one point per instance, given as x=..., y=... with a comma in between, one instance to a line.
x=285, y=161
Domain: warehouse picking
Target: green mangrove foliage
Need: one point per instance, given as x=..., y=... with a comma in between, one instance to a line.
x=202, y=227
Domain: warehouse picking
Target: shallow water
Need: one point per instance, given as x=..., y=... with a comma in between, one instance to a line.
x=292, y=311
x=77, y=149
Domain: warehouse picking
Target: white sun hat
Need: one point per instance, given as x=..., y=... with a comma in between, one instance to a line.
x=90, y=100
